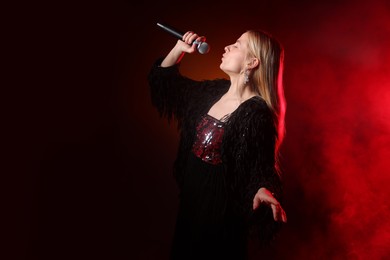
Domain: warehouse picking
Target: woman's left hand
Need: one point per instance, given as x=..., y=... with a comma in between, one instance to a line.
x=264, y=196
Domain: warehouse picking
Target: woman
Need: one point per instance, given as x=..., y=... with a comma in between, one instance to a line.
x=230, y=132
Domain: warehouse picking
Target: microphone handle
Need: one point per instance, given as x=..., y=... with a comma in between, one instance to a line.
x=175, y=32
x=202, y=47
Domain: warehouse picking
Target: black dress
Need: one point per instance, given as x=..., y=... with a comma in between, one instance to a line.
x=215, y=217
x=205, y=227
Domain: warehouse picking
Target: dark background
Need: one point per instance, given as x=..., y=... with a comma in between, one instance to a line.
x=90, y=161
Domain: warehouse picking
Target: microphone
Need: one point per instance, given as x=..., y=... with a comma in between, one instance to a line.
x=202, y=47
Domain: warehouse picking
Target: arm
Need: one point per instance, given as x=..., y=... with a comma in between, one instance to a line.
x=171, y=92
x=260, y=186
x=262, y=141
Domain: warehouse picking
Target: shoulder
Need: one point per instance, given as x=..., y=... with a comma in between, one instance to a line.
x=256, y=118
x=256, y=108
x=251, y=118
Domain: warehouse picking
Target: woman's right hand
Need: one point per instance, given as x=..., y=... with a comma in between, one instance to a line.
x=182, y=46
x=186, y=44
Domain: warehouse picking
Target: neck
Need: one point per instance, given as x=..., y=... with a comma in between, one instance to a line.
x=239, y=91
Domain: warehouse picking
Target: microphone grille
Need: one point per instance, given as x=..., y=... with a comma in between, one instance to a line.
x=203, y=48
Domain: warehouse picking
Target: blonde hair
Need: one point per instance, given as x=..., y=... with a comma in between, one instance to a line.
x=267, y=78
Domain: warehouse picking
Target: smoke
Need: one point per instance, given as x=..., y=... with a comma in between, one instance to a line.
x=340, y=124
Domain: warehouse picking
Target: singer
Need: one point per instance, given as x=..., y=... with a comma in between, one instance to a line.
x=227, y=166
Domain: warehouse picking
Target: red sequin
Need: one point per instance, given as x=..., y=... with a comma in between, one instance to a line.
x=207, y=145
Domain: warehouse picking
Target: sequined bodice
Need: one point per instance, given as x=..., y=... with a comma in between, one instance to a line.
x=208, y=140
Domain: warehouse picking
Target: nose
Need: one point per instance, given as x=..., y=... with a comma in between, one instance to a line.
x=226, y=49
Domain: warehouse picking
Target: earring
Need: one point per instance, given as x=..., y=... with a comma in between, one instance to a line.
x=246, y=77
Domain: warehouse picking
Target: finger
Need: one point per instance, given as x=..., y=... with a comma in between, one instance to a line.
x=272, y=200
x=276, y=210
x=279, y=213
x=256, y=203
x=192, y=38
x=284, y=216
x=199, y=40
x=187, y=36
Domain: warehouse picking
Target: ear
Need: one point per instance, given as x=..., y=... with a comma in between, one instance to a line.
x=253, y=63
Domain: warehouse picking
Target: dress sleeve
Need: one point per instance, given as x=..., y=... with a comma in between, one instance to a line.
x=255, y=165
x=170, y=91
x=262, y=173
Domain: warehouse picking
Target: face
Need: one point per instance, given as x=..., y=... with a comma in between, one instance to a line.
x=233, y=60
